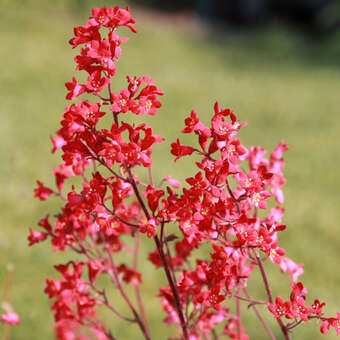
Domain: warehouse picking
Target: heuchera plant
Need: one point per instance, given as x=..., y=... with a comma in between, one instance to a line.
x=218, y=207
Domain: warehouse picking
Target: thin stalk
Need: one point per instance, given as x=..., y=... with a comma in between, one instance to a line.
x=172, y=268
x=173, y=287
x=270, y=296
x=7, y=298
x=233, y=197
x=251, y=301
x=294, y=324
x=238, y=313
x=137, y=290
x=126, y=298
x=150, y=177
x=115, y=114
x=106, y=302
x=265, y=326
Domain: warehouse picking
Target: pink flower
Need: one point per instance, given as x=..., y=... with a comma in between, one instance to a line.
x=10, y=318
x=58, y=143
x=293, y=269
x=172, y=181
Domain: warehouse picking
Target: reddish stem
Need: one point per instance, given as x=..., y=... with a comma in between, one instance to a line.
x=159, y=246
x=86, y=252
x=233, y=197
x=251, y=302
x=137, y=290
x=150, y=176
x=265, y=326
x=238, y=313
x=106, y=302
x=115, y=114
x=172, y=268
x=174, y=289
x=126, y=298
x=270, y=296
x=7, y=298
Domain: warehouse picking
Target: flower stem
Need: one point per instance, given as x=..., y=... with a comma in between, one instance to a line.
x=137, y=290
x=270, y=296
x=238, y=313
x=265, y=326
x=160, y=250
x=126, y=298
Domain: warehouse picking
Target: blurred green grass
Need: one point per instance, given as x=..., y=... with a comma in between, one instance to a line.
x=286, y=85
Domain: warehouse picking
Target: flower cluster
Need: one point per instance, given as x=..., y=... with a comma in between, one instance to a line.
x=232, y=204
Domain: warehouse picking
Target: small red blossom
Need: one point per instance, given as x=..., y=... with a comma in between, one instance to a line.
x=62, y=173
x=130, y=276
x=58, y=143
x=149, y=228
x=42, y=192
x=179, y=150
x=75, y=89
x=122, y=102
x=214, y=299
x=153, y=196
x=317, y=307
x=281, y=308
x=36, y=236
x=258, y=199
x=96, y=83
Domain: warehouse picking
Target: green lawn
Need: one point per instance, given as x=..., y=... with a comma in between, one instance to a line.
x=286, y=85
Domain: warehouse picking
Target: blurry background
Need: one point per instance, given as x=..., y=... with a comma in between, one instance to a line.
x=275, y=63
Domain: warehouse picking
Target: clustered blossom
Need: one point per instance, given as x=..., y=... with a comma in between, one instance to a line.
x=219, y=207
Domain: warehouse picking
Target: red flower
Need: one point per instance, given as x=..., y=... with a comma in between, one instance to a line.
x=179, y=150
x=193, y=124
x=335, y=323
x=61, y=174
x=153, y=196
x=121, y=102
x=281, y=308
x=129, y=275
x=96, y=83
x=317, y=307
x=149, y=228
x=36, y=236
x=42, y=192
x=214, y=299
x=75, y=89
x=100, y=16
x=258, y=199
